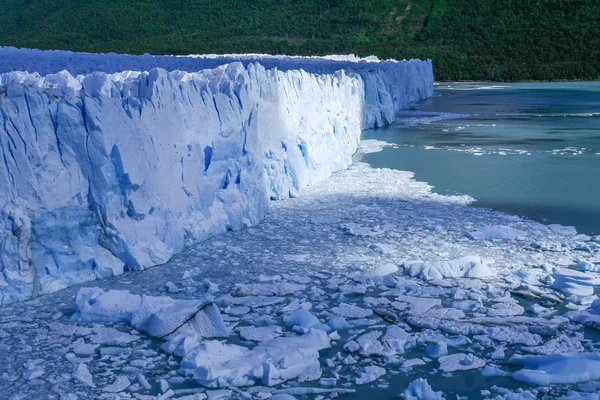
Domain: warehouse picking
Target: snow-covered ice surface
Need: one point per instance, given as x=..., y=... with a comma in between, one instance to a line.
x=315, y=309
x=104, y=168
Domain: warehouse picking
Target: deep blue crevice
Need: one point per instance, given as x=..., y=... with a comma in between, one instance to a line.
x=226, y=182
x=207, y=157
x=124, y=181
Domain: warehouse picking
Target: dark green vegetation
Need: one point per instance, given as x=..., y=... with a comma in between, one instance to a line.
x=466, y=39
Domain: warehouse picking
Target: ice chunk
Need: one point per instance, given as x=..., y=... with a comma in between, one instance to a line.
x=460, y=362
x=464, y=267
x=420, y=390
x=82, y=374
x=419, y=305
x=436, y=350
x=110, y=336
x=383, y=270
x=271, y=362
x=302, y=318
x=574, y=282
x=370, y=374
x=95, y=305
x=557, y=368
x=339, y=323
x=160, y=317
x=119, y=385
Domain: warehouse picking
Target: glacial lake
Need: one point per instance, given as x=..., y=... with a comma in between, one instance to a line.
x=530, y=149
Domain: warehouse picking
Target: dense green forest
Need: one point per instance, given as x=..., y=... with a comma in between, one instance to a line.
x=466, y=39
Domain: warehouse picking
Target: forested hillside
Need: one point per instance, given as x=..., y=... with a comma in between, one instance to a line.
x=466, y=39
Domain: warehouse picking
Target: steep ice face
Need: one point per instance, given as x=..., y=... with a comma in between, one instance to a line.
x=102, y=173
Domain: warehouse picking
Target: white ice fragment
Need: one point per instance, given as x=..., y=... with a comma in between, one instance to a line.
x=381, y=248
x=111, y=337
x=558, y=345
x=436, y=350
x=383, y=270
x=349, y=360
x=271, y=362
x=419, y=305
x=351, y=311
x=156, y=316
x=464, y=267
x=498, y=353
x=301, y=317
x=339, y=323
x=493, y=370
x=413, y=362
x=574, y=282
x=119, y=385
x=505, y=309
x=241, y=310
x=82, y=374
x=460, y=362
x=144, y=382
x=356, y=229
x=166, y=395
x=370, y=374
x=557, y=368
x=95, y=305
x=171, y=287
x=204, y=320
x=420, y=390
x=82, y=348
x=369, y=344
x=328, y=382
x=164, y=386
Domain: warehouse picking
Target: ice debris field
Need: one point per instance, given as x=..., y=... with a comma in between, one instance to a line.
x=366, y=285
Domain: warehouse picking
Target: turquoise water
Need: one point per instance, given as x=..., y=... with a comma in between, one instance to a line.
x=530, y=149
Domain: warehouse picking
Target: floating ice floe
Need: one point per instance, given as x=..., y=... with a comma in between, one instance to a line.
x=421, y=390
x=160, y=317
x=273, y=361
x=574, y=282
x=460, y=362
x=557, y=368
x=589, y=317
x=464, y=267
x=370, y=374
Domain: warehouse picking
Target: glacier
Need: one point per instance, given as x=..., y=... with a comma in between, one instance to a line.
x=115, y=162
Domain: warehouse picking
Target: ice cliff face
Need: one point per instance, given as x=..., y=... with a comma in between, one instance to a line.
x=107, y=172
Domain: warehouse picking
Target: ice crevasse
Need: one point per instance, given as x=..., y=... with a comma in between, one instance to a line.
x=104, y=172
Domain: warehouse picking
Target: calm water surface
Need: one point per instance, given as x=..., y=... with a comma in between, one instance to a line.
x=531, y=149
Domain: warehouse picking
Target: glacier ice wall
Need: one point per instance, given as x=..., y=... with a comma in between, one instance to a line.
x=105, y=172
